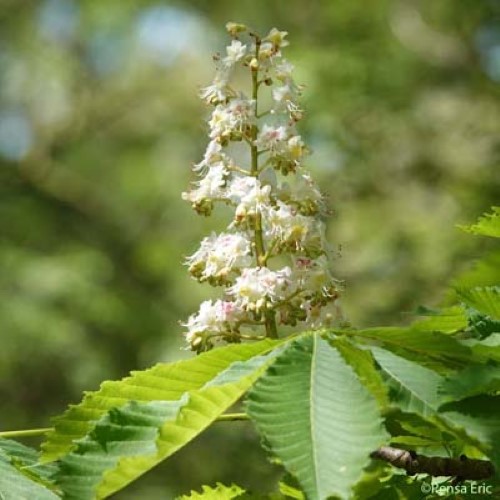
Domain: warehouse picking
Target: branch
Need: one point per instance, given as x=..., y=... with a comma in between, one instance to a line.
x=462, y=468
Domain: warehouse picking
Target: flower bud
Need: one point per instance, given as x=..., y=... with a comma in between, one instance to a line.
x=234, y=28
x=277, y=38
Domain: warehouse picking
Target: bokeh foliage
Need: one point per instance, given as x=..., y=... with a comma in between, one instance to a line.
x=99, y=123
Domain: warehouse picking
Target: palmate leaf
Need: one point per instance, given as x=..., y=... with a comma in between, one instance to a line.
x=163, y=382
x=20, y=476
x=129, y=440
x=317, y=417
x=487, y=225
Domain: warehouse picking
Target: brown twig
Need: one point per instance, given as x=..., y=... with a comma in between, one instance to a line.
x=462, y=468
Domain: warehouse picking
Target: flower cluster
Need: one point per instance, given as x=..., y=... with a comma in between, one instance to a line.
x=273, y=259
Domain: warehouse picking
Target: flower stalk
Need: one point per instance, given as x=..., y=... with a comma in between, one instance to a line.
x=260, y=251
x=277, y=206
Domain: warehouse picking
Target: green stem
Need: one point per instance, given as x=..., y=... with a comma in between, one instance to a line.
x=269, y=251
x=252, y=337
x=231, y=417
x=240, y=170
x=25, y=433
x=226, y=417
x=264, y=113
x=260, y=250
x=290, y=297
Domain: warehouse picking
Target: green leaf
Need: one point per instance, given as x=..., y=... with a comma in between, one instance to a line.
x=21, y=476
x=485, y=272
x=487, y=349
x=414, y=441
x=203, y=408
x=448, y=320
x=220, y=492
x=474, y=380
x=486, y=300
x=415, y=388
x=481, y=325
x=129, y=440
x=126, y=431
x=432, y=349
x=163, y=382
x=417, y=425
x=398, y=487
x=28, y=461
x=290, y=491
x=317, y=417
x=372, y=480
x=477, y=417
x=487, y=225
x=363, y=364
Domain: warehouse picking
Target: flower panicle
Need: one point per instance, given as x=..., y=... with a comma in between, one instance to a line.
x=273, y=260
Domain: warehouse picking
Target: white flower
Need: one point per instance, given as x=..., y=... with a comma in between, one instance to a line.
x=272, y=138
x=248, y=194
x=221, y=122
x=235, y=52
x=218, y=255
x=296, y=147
x=285, y=97
x=212, y=317
x=318, y=316
x=207, y=319
x=267, y=55
x=298, y=232
x=313, y=275
x=219, y=90
x=213, y=154
x=302, y=190
x=283, y=70
x=230, y=118
x=283, y=93
x=242, y=110
x=209, y=187
x=258, y=283
x=285, y=151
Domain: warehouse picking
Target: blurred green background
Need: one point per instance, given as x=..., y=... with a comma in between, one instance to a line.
x=100, y=123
